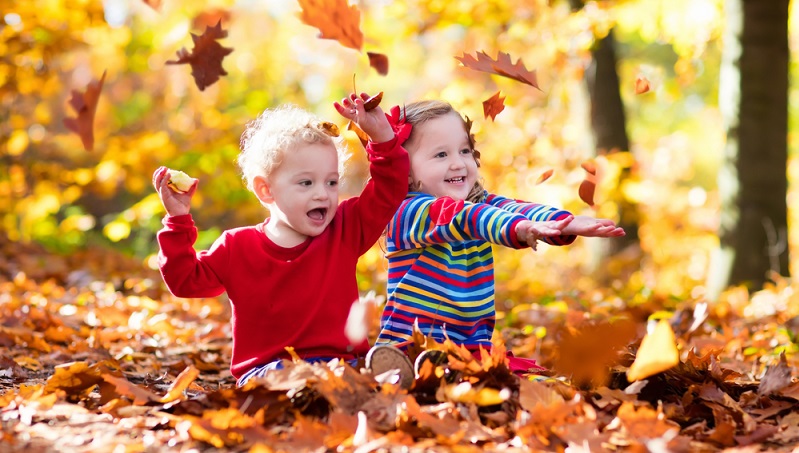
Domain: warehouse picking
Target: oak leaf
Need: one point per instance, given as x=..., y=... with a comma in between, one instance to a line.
x=206, y=57
x=493, y=106
x=502, y=66
x=379, y=62
x=335, y=19
x=85, y=105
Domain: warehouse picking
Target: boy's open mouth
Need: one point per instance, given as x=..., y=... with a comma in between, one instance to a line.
x=318, y=213
x=459, y=179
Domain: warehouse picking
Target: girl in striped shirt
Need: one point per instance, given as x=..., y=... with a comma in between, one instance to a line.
x=440, y=263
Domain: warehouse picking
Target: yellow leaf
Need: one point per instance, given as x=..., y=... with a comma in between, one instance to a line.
x=658, y=352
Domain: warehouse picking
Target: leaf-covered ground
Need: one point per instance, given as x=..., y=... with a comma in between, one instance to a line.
x=96, y=357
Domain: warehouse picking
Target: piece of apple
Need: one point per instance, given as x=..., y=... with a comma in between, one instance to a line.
x=180, y=181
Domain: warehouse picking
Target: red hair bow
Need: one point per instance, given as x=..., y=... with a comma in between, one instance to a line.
x=397, y=121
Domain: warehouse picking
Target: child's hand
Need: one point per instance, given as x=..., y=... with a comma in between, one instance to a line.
x=530, y=232
x=591, y=227
x=175, y=203
x=373, y=122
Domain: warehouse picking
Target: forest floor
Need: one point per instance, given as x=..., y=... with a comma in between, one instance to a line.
x=96, y=357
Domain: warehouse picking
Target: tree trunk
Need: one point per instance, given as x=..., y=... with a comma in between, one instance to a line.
x=753, y=97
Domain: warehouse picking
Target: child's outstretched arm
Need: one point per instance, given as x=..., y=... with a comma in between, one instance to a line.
x=373, y=121
x=530, y=232
x=591, y=227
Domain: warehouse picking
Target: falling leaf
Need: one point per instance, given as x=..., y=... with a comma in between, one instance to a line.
x=329, y=128
x=362, y=136
x=335, y=19
x=154, y=4
x=85, y=105
x=503, y=66
x=544, y=176
x=493, y=106
x=589, y=166
x=586, y=192
x=206, y=57
x=641, y=85
x=379, y=62
x=658, y=352
x=209, y=18
x=361, y=318
x=373, y=101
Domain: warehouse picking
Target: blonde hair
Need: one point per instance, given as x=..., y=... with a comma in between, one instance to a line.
x=417, y=113
x=278, y=131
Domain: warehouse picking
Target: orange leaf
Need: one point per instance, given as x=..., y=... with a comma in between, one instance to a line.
x=335, y=19
x=373, y=101
x=359, y=132
x=493, y=106
x=641, y=85
x=379, y=62
x=206, y=57
x=85, y=105
x=589, y=166
x=545, y=175
x=503, y=66
x=586, y=191
x=181, y=383
x=658, y=352
x=123, y=387
x=154, y=4
x=209, y=18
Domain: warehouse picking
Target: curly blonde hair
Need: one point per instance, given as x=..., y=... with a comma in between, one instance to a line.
x=417, y=113
x=280, y=130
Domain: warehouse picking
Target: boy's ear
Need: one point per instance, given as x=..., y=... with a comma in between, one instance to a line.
x=262, y=190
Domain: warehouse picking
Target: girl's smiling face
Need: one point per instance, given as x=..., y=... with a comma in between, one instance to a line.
x=442, y=161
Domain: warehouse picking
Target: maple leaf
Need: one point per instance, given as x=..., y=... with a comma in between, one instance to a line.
x=335, y=19
x=85, y=105
x=493, y=106
x=379, y=62
x=206, y=57
x=503, y=66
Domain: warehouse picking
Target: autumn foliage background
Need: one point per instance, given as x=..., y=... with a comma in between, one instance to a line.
x=78, y=225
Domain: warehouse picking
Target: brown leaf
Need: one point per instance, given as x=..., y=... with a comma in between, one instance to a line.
x=206, y=57
x=493, y=106
x=586, y=191
x=544, y=176
x=359, y=132
x=641, y=85
x=209, y=18
x=373, y=101
x=379, y=62
x=776, y=378
x=503, y=66
x=589, y=166
x=123, y=387
x=85, y=105
x=335, y=19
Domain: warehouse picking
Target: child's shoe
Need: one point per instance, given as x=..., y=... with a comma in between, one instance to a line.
x=385, y=358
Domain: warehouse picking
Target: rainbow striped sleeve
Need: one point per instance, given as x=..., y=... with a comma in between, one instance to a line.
x=535, y=212
x=424, y=220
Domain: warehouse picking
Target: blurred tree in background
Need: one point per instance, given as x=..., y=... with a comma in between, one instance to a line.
x=54, y=192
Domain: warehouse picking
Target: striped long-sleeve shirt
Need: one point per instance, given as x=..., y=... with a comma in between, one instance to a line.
x=441, y=266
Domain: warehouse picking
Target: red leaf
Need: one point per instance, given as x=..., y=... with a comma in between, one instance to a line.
x=373, y=101
x=503, y=66
x=206, y=57
x=544, y=176
x=586, y=191
x=335, y=19
x=641, y=85
x=85, y=105
x=379, y=62
x=493, y=106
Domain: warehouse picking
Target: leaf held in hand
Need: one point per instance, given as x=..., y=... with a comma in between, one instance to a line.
x=502, y=66
x=544, y=176
x=493, y=106
x=85, y=105
x=379, y=62
x=335, y=19
x=180, y=181
x=373, y=101
x=206, y=57
x=658, y=353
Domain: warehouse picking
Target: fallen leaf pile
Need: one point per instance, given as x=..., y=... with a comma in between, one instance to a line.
x=96, y=354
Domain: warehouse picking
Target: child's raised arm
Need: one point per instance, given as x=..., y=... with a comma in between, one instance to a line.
x=175, y=202
x=591, y=227
x=373, y=121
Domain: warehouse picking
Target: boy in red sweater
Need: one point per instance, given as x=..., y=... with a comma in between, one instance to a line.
x=291, y=279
